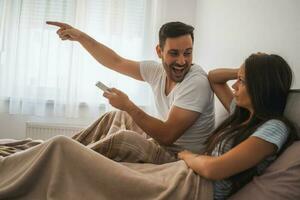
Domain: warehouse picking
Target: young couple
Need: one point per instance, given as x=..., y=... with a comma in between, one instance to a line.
x=242, y=146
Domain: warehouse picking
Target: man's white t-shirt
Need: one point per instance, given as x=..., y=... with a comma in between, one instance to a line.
x=193, y=93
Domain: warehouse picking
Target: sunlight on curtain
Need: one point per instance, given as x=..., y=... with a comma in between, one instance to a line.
x=44, y=76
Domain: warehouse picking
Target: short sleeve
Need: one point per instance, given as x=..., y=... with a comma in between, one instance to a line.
x=195, y=94
x=273, y=131
x=150, y=71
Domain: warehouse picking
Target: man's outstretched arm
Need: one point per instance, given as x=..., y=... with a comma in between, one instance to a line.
x=100, y=52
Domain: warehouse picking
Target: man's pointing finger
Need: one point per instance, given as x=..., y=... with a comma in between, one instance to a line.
x=59, y=24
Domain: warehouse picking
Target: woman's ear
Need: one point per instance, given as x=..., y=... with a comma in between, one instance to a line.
x=159, y=51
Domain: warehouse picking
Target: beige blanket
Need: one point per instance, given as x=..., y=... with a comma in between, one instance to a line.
x=62, y=168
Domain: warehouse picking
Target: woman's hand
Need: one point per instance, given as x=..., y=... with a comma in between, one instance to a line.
x=198, y=163
x=186, y=155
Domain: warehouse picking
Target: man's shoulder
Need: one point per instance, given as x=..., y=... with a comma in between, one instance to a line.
x=151, y=71
x=150, y=66
x=150, y=63
x=196, y=74
x=197, y=70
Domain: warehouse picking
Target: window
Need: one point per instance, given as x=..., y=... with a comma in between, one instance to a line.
x=39, y=72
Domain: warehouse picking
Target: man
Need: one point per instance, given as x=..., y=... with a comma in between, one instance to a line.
x=182, y=92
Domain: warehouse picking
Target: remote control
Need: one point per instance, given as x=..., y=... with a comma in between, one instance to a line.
x=102, y=86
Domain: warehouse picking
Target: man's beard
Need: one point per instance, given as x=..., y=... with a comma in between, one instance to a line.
x=175, y=71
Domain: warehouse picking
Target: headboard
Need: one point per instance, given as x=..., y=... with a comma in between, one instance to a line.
x=292, y=109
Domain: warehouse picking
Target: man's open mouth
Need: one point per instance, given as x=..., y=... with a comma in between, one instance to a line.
x=178, y=70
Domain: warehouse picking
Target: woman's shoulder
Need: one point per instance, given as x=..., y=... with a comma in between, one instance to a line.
x=273, y=127
x=273, y=123
x=274, y=131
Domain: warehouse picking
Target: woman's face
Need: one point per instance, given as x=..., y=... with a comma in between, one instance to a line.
x=240, y=92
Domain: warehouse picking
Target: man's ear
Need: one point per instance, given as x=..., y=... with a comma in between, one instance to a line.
x=159, y=51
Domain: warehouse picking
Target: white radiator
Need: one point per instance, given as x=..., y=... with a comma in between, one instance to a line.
x=41, y=130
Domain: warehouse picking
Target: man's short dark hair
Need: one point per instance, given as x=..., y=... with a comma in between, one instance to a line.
x=172, y=30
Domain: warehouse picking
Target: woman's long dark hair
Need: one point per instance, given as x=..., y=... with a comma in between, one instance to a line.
x=268, y=81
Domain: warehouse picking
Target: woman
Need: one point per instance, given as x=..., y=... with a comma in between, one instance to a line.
x=255, y=133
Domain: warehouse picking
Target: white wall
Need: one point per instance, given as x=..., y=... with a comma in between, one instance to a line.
x=229, y=31
x=14, y=126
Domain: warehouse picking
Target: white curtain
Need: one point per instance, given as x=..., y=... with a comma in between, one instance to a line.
x=43, y=76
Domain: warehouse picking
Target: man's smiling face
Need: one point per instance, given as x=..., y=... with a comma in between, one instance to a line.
x=177, y=56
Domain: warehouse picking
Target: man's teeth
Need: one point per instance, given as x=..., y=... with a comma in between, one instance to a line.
x=179, y=68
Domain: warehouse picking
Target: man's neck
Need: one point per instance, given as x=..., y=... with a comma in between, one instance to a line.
x=169, y=86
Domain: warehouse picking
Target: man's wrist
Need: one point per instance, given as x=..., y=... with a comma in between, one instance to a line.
x=82, y=37
x=130, y=107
